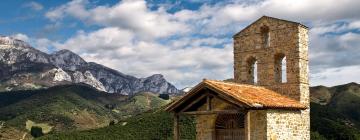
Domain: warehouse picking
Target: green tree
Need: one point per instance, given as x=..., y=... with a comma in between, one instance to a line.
x=164, y=96
x=317, y=136
x=36, y=131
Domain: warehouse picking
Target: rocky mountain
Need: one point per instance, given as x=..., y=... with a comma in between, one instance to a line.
x=24, y=67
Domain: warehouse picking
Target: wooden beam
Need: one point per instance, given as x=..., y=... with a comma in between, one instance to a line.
x=208, y=102
x=218, y=94
x=193, y=102
x=237, y=106
x=211, y=112
x=176, y=127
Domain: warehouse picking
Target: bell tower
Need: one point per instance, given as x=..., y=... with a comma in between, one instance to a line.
x=273, y=53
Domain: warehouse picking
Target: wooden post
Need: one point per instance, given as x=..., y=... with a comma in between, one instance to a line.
x=176, y=127
x=248, y=126
x=208, y=101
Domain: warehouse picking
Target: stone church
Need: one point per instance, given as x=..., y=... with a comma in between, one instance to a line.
x=269, y=98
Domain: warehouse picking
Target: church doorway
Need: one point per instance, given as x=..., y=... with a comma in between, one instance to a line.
x=230, y=126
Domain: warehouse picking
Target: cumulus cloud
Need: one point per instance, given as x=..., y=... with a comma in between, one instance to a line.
x=333, y=46
x=336, y=76
x=133, y=15
x=188, y=45
x=182, y=66
x=21, y=36
x=34, y=5
x=43, y=44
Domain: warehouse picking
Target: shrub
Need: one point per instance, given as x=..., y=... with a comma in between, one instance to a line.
x=112, y=122
x=164, y=96
x=36, y=131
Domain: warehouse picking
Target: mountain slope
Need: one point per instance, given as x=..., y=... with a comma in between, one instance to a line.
x=335, y=111
x=24, y=67
x=68, y=108
x=328, y=121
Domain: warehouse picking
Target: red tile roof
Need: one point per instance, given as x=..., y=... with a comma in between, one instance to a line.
x=254, y=97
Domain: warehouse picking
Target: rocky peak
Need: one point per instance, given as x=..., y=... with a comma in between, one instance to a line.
x=67, y=60
x=7, y=42
x=13, y=50
x=155, y=83
x=155, y=78
x=88, y=78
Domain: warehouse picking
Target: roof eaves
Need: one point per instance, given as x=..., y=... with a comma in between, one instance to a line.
x=224, y=92
x=185, y=97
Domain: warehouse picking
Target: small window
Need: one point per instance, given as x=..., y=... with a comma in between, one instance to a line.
x=283, y=70
x=265, y=36
x=280, y=68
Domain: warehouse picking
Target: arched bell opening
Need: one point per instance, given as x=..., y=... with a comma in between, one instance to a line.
x=252, y=69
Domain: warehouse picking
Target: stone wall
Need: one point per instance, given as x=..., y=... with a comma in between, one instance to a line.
x=259, y=124
x=205, y=127
x=287, y=125
x=256, y=125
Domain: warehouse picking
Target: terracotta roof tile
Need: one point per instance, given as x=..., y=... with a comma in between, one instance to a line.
x=254, y=96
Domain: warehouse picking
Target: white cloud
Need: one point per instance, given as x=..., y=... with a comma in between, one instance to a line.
x=74, y=8
x=43, y=44
x=34, y=5
x=133, y=15
x=21, y=36
x=225, y=18
x=336, y=76
x=128, y=39
x=182, y=66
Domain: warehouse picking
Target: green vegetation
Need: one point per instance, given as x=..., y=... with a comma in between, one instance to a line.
x=164, y=96
x=80, y=112
x=330, y=124
x=69, y=108
x=147, y=126
x=336, y=116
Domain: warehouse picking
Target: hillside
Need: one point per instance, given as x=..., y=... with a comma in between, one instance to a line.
x=335, y=112
x=67, y=108
x=335, y=119
x=155, y=125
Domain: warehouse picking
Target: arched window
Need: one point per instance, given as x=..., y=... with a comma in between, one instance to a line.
x=265, y=36
x=252, y=69
x=280, y=68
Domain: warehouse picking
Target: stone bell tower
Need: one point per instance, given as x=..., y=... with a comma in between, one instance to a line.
x=273, y=53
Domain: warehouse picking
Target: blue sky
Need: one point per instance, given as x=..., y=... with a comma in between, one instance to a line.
x=184, y=40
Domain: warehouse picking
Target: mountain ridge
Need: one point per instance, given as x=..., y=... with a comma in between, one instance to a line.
x=28, y=67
